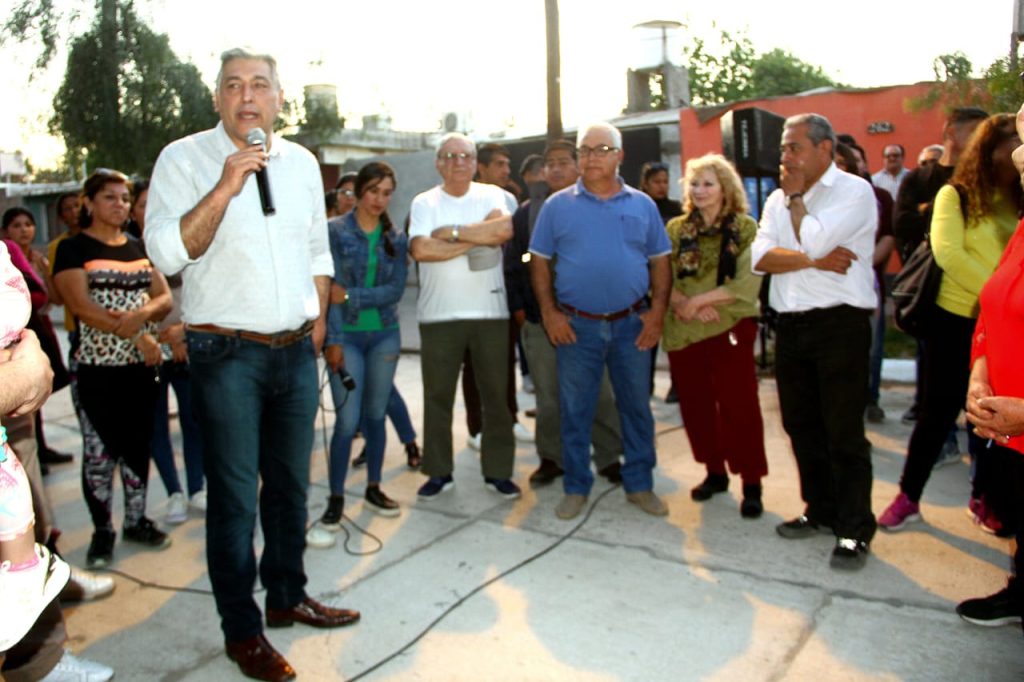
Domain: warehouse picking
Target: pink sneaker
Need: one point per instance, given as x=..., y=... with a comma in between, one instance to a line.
x=984, y=517
x=899, y=513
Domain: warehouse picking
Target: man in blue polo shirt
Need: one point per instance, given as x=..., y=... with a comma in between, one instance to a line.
x=611, y=248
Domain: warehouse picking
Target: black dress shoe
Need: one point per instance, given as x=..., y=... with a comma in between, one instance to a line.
x=711, y=485
x=612, y=472
x=751, y=507
x=313, y=613
x=256, y=658
x=360, y=460
x=547, y=472
x=54, y=457
x=849, y=554
x=800, y=527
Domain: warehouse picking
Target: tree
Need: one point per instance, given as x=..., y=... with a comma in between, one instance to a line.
x=736, y=72
x=999, y=89
x=125, y=94
x=780, y=73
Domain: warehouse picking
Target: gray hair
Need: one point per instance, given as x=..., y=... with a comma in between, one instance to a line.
x=606, y=127
x=933, y=148
x=448, y=137
x=818, y=127
x=247, y=53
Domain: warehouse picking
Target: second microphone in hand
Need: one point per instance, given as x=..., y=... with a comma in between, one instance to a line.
x=257, y=136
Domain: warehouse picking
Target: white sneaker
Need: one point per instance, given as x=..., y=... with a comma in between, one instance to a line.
x=24, y=594
x=71, y=669
x=198, y=501
x=474, y=442
x=522, y=434
x=93, y=585
x=319, y=538
x=177, y=509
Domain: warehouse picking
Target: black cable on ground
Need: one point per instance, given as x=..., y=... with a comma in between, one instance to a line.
x=482, y=586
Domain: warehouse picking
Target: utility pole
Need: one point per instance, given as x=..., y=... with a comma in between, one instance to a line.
x=555, y=131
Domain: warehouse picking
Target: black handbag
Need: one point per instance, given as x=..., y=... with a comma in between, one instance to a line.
x=916, y=286
x=915, y=289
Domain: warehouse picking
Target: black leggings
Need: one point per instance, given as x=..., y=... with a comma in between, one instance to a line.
x=119, y=402
x=945, y=371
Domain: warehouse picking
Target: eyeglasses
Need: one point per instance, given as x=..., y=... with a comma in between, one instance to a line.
x=894, y=156
x=346, y=193
x=456, y=156
x=600, y=151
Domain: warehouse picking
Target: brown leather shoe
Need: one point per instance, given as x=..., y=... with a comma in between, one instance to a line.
x=547, y=472
x=256, y=658
x=312, y=613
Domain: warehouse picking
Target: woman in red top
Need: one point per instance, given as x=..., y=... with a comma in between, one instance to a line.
x=995, y=405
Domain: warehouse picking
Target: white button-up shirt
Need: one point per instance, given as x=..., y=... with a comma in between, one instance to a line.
x=258, y=272
x=890, y=183
x=841, y=211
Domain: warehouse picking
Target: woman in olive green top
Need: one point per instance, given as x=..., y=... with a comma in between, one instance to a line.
x=711, y=327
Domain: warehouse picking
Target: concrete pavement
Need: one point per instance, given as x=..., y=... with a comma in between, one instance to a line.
x=699, y=595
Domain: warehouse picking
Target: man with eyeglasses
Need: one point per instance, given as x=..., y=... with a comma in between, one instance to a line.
x=891, y=176
x=611, y=249
x=456, y=231
x=561, y=171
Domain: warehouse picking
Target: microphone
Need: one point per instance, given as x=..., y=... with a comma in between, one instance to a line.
x=346, y=379
x=257, y=136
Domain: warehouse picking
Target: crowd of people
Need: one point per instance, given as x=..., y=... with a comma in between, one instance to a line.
x=202, y=282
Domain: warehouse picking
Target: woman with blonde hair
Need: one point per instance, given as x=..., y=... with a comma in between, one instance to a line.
x=711, y=327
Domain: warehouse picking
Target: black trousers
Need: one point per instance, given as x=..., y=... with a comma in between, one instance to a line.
x=821, y=359
x=945, y=371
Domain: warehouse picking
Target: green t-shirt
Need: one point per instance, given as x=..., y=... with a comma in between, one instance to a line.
x=369, y=318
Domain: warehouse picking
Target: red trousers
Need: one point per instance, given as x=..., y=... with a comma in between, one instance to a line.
x=717, y=387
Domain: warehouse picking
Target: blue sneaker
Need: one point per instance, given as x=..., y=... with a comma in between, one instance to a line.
x=434, y=486
x=504, y=487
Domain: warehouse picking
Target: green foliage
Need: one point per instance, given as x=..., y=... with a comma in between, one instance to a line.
x=125, y=94
x=734, y=71
x=999, y=89
x=780, y=73
x=38, y=19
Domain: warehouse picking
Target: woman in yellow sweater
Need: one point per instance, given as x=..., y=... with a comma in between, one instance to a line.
x=973, y=219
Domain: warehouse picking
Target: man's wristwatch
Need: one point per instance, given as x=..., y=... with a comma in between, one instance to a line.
x=791, y=197
x=455, y=234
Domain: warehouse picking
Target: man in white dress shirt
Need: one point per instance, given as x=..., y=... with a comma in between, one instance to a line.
x=891, y=176
x=254, y=302
x=816, y=239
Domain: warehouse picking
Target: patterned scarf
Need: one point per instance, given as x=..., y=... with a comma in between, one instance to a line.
x=688, y=257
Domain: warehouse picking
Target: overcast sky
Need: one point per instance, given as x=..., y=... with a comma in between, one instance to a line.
x=417, y=59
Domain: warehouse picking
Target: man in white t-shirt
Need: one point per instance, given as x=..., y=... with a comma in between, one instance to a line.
x=456, y=232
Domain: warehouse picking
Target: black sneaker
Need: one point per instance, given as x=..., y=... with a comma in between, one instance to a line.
x=377, y=501
x=504, y=487
x=992, y=611
x=331, y=520
x=360, y=460
x=711, y=485
x=849, y=554
x=101, y=549
x=146, y=533
x=800, y=527
x=434, y=486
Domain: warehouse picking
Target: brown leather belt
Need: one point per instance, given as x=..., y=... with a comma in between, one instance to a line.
x=607, y=317
x=278, y=340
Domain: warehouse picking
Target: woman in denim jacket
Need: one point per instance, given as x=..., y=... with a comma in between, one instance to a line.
x=362, y=332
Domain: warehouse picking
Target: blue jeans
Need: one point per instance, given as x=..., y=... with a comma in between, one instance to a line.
x=371, y=358
x=255, y=406
x=175, y=375
x=580, y=368
x=398, y=413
